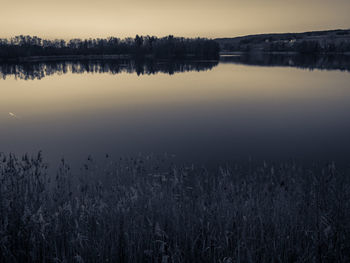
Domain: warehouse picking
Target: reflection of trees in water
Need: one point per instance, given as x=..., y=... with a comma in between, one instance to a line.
x=327, y=62
x=39, y=70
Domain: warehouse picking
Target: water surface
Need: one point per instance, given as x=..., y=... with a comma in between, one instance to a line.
x=202, y=112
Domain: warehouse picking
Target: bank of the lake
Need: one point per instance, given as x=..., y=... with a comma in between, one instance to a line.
x=146, y=209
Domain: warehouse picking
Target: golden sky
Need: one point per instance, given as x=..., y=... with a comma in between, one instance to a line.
x=190, y=18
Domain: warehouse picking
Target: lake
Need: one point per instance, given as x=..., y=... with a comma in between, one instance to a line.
x=206, y=112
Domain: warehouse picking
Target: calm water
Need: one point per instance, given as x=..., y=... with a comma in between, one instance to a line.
x=202, y=112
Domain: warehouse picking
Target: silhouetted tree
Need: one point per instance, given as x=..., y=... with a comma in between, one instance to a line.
x=166, y=47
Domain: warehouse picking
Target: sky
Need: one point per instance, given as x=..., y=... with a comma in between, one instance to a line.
x=189, y=18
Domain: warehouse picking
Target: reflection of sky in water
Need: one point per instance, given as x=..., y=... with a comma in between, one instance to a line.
x=232, y=111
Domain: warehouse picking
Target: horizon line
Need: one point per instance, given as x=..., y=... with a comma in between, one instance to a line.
x=178, y=36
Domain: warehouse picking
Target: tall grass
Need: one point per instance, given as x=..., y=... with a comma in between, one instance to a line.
x=141, y=210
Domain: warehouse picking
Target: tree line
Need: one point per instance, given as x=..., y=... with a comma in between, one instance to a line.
x=310, y=46
x=331, y=41
x=292, y=45
x=165, y=47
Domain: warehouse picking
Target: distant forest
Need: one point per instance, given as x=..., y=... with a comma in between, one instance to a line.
x=332, y=41
x=166, y=47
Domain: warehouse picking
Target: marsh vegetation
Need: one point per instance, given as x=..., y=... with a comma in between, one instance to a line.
x=147, y=209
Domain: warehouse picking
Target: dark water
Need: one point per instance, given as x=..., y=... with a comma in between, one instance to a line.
x=204, y=112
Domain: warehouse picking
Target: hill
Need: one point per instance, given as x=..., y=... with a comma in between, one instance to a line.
x=307, y=42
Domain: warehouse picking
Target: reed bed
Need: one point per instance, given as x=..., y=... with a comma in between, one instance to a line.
x=147, y=210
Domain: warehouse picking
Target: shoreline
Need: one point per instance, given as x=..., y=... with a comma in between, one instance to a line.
x=259, y=52
x=64, y=57
x=101, y=57
x=129, y=56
